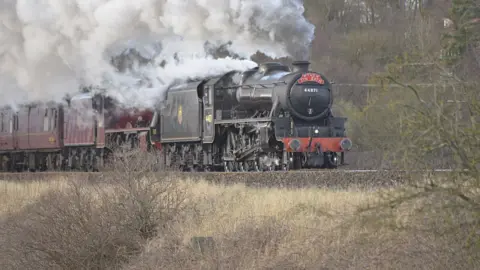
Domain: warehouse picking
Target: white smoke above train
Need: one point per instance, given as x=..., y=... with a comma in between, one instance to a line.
x=136, y=49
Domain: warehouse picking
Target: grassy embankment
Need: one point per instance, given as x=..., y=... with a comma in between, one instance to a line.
x=149, y=224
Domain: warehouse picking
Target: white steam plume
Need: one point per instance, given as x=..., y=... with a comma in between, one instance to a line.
x=49, y=48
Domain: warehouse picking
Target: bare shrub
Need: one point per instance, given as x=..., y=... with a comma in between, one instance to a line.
x=414, y=229
x=70, y=230
x=98, y=225
x=273, y=243
x=253, y=246
x=264, y=229
x=154, y=198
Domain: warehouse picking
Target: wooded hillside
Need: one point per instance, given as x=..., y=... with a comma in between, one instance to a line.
x=394, y=59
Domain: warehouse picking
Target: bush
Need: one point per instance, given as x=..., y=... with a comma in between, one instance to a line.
x=254, y=245
x=406, y=237
x=94, y=226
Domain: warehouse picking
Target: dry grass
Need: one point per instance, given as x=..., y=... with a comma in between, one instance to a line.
x=305, y=229
x=224, y=207
x=149, y=224
x=15, y=195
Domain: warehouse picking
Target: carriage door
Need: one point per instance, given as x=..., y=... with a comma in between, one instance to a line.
x=208, y=123
x=98, y=107
x=14, y=129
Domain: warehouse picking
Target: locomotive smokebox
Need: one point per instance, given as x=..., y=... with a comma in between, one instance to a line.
x=301, y=66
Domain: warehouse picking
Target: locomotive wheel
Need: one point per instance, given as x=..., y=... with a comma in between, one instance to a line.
x=287, y=164
x=250, y=165
x=332, y=161
x=258, y=166
x=228, y=166
x=297, y=161
x=225, y=166
x=240, y=167
x=245, y=166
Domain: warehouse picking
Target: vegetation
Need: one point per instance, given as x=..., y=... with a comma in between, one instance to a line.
x=423, y=110
x=407, y=74
x=154, y=222
x=420, y=110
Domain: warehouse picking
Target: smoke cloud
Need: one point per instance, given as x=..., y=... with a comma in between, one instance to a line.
x=135, y=49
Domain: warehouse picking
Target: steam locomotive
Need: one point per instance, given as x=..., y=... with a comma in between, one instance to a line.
x=266, y=118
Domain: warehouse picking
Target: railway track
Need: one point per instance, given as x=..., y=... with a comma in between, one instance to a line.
x=334, y=179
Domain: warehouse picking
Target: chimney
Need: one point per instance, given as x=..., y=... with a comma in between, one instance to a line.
x=300, y=66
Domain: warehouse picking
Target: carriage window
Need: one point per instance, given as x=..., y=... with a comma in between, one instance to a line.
x=45, y=121
x=14, y=123
x=2, y=128
x=55, y=118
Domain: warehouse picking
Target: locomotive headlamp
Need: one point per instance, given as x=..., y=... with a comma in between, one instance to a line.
x=295, y=144
x=316, y=131
x=346, y=144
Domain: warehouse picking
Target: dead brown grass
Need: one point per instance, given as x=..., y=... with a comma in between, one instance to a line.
x=16, y=195
x=311, y=229
x=87, y=226
x=135, y=219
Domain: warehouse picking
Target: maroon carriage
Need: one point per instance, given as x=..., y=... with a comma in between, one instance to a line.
x=69, y=136
x=84, y=132
x=30, y=137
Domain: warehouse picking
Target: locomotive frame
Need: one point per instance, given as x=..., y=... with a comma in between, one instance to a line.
x=261, y=119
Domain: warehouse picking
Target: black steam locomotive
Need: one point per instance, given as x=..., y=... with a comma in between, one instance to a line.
x=267, y=118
